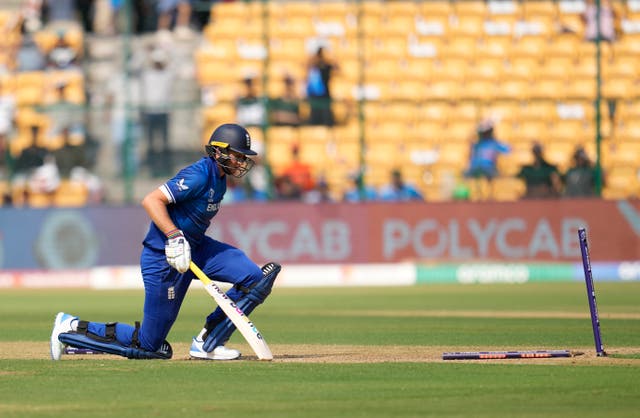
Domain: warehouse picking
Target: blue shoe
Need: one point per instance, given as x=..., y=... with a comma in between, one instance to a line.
x=60, y=325
x=219, y=353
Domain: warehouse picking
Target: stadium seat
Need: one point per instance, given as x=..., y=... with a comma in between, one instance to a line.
x=547, y=8
x=565, y=45
x=470, y=8
x=497, y=8
x=460, y=46
x=482, y=90
x=488, y=68
x=530, y=46
x=460, y=131
x=507, y=189
x=620, y=88
x=495, y=47
x=450, y=69
x=580, y=88
x=316, y=134
x=436, y=8
x=443, y=90
x=71, y=194
x=513, y=89
x=548, y=88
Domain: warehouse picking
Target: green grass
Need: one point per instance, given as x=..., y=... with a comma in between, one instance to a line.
x=86, y=387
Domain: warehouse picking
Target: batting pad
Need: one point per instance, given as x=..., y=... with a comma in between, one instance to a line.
x=82, y=341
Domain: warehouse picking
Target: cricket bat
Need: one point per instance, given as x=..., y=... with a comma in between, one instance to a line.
x=235, y=314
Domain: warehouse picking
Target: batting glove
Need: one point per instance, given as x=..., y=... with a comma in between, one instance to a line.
x=178, y=251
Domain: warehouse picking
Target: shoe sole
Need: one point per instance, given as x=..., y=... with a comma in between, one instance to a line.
x=54, y=338
x=199, y=356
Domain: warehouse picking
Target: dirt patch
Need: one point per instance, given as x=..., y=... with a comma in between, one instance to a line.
x=313, y=353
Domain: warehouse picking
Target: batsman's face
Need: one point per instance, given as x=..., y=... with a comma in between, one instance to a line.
x=238, y=164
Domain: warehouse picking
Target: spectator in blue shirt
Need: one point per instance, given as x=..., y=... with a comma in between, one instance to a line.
x=399, y=190
x=359, y=191
x=484, y=154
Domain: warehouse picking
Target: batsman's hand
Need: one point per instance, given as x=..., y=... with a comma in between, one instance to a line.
x=178, y=251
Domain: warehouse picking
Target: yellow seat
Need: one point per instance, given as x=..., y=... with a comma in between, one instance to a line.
x=216, y=71
x=470, y=8
x=495, y=47
x=435, y=111
x=402, y=8
x=565, y=45
x=628, y=131
x=620, y=88
x=436, y=8
x=555, y=67
x=71, y=194
x=539, y=8
x=401, y=112
x=454, y=154
x=570, y=130
x=524, y=68
x=512, y=89
x=507, y=189
x=559, y=152
x=396, y=25
x=381, y=70
x=315, y=134
x=546, y=88
x=478, y=89
x=621, y=183
x=236, y=9
x=460, y=131
x=501, y=110
x=452, y=69
x=532, y=130
x=461, y=46
x=443, y=90
x=467, y=111
x=487, y=69
x=531, y=46
x=580, y=88
x=627, y=46
x=543, y=110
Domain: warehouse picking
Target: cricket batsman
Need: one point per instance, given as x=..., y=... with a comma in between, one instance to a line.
x=181, y=211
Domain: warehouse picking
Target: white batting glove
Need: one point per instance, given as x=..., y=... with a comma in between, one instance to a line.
x=178, y=251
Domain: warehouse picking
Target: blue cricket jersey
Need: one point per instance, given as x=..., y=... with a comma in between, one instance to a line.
x=194, y=197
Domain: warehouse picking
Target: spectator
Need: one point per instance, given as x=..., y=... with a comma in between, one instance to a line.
x=484, y=154
x=250, y=109
x=30, y=157
x=399, y=190
x=319, y=72
x=542, y=179
x=359, y=191
x=285, y=110
x=65, y=114
x=86, y=9
x=122, y=95
x=34, y=169
x=72, y=154
x=608, y=21
x=181, y=9
x=286, y=189
x=156, y=83
x=62, y=56
x=320, y=194
x=59, y=13
x=580, y=178
x=254, y=186
x=7, y=119
x=29, y=56
x=299, y=172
